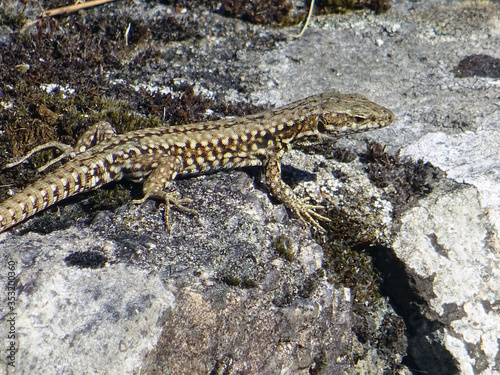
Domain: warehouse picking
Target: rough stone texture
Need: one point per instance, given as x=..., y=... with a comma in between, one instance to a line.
x=215, y=295
x=446, y=242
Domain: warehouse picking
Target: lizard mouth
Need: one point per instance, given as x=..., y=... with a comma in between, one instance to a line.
x=389, y=117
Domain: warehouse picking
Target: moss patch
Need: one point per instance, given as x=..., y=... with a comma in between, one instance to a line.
x=403, y=179
x=283, y=246
x=343, y=6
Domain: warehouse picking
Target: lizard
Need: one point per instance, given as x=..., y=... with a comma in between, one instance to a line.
x=158, y=155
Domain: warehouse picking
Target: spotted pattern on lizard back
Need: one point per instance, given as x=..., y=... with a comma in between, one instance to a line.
x=159, y=155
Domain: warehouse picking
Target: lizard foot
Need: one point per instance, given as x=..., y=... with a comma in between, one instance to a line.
x=307, y=214
x=170, y=198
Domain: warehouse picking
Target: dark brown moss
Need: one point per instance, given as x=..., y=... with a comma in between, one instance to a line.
x=271, y=12
x=267, y=12
x=342, y=6
x=478, y=65
x=329, y=151
x=406, y=179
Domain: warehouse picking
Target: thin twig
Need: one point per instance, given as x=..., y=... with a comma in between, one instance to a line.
x=309, y=14
x=64, y=10
x=73, y=8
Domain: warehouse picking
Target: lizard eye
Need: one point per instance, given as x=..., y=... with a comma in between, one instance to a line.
x=359, y=120
x=321, y=127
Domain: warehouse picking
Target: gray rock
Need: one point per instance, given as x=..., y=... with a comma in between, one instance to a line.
x=446, y=245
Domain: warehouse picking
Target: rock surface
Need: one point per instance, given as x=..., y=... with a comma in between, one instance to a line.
x=213, y=296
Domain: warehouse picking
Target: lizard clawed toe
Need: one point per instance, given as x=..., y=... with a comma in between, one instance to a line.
x=169, y=198
x=307, y=214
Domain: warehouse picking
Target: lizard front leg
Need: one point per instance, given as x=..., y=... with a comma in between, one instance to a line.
x=160, y=179
x=285, y=194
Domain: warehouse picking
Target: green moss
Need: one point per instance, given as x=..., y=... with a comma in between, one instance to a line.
x=109, y=198
x=231, y=280
x=346, y=261
x=343, y=6
x=283, y=246
x=11, y=18
x=320, y=363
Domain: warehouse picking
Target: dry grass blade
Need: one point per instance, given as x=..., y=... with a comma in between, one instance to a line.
x=73, y=8
x=309, y=14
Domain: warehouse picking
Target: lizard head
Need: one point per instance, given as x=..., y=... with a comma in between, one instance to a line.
x=351, y=113
x=332, y=115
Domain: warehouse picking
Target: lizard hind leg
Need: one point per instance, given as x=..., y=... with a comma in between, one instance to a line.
x=99, y=132
x=160, y=179
x=65, y=149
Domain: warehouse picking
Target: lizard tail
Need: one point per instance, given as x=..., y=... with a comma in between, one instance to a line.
x=56, y=186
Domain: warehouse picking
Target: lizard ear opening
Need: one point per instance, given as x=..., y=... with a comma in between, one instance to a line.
x=321, y=126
